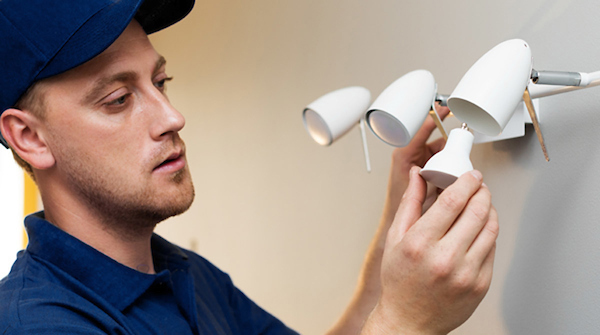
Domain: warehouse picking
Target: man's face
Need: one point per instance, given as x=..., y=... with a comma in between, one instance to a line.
x=114, y=134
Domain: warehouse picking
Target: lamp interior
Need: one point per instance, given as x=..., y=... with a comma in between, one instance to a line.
x=388, y=128
x=476, y=117
x=317, y=127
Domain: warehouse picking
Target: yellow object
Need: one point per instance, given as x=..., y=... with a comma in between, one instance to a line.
x=438, y=122
x=534, y=120
x=30, y=203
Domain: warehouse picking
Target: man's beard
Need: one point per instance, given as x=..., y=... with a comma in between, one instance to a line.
x=130, y=210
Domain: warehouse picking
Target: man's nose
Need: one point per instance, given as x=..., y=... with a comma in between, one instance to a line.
x=166, y=119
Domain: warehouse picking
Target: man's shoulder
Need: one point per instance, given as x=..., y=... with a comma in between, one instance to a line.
x=208, y=275
x=199, y=267
x=36, y=301
x=200, y=263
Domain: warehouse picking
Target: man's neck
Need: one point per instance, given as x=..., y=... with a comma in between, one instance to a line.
x=130, y=248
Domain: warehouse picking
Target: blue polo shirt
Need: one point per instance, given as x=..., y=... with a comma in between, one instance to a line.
x=60, y=285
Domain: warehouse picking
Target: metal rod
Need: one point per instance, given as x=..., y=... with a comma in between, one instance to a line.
x=556, y=78
x=588, y=80
x=442, y=99
x=363, y=134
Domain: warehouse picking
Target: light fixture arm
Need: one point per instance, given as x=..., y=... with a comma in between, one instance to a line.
x=442, y=99
x=547, y=83
x=438, y=121
x=556, y=78
x=434, y=114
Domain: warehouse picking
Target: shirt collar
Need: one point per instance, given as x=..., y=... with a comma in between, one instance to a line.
x=118, y=284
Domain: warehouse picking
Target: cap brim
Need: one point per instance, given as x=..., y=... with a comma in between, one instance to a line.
x=155, y=15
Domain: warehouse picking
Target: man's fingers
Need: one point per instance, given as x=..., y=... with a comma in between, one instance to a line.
x=437, y=145
x=429, y=126
x=471, y=221
x=442, y=111
x=411, y=205
x=486, y=240
x=485, y=272
x=442, y=214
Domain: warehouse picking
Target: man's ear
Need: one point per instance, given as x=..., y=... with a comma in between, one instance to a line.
x=23, y=132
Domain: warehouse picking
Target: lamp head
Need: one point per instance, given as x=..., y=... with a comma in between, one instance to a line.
x=488, y=94
x=335, y=113
x=400, y=110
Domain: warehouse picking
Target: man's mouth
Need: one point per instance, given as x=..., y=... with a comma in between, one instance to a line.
x=173, y=163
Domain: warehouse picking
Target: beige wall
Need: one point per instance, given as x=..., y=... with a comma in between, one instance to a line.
x=290, y=221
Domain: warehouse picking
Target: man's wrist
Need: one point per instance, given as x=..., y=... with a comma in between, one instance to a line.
x=383, y=321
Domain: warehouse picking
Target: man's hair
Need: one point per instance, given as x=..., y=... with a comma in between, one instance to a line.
x=32, y=101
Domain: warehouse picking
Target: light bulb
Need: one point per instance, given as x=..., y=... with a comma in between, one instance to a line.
x=447, y=165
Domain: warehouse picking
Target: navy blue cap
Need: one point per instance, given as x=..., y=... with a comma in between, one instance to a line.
x=42, y=38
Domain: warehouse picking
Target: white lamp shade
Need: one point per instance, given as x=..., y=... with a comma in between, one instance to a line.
x=335, y=113
x=489, y=92
x=400, y=110
x=447, y=165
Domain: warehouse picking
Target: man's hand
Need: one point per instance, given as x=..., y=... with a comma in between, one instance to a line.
x=368, y=289
x=436, y=267
x=416, y=153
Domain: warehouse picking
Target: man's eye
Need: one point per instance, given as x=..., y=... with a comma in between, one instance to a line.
x=161, y=84
x=119, y=101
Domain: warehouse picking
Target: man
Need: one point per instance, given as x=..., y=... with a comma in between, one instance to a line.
x=85, y=112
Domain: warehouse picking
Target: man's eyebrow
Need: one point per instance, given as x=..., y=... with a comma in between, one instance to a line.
x=160, y=63
x=101, y=83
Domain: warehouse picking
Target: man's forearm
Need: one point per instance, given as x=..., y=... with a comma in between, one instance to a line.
x=368, y=288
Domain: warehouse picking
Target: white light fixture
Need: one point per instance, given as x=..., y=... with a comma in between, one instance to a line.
x=486, y=99
x=400, y=110
x=490, y=91
x=335, y=113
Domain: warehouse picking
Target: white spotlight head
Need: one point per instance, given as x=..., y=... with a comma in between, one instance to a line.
x=400, y=110
x=489, y=92
x=447, y=165
x=334, y=114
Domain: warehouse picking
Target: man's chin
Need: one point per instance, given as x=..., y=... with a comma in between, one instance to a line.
x=179, y=204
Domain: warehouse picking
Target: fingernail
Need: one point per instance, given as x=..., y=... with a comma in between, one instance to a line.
x=414, y=170
x=477, y=175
